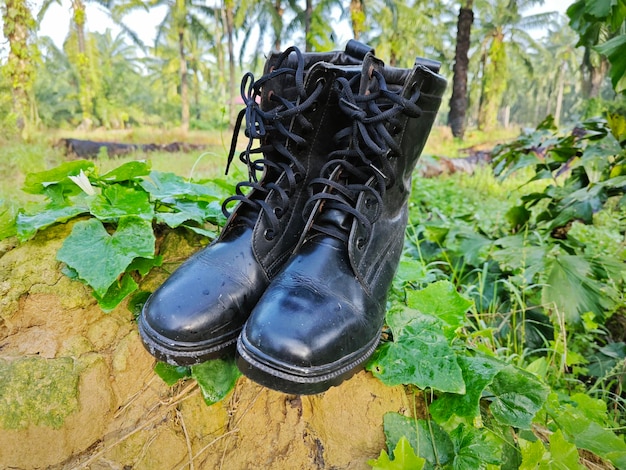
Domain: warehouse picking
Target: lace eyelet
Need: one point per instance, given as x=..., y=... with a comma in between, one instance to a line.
x=360, y=243
x=269, y=234
x=279, y=212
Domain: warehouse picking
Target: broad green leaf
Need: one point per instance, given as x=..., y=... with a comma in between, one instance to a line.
x=613, y=49
x=171, y=374
x=216, y=378
x=429, y=440
x=440, y=299
x=564, y=454
x=419, y=354
x=533, y=453
x=8, y=215
x=516, y=396
x=36, y=183
x=118, y=201
x=98, y=257
x=118, y=291
x=586, y=433
x=473, y=448
x=28, y=224
x=144, y=265
x=164, y=186
x=197, y=211
x=404, y=458
x=126, y=172
x=478, y=372
x=570, y=288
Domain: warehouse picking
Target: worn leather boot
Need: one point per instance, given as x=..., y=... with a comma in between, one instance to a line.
x=321, y=317
x=198, y=312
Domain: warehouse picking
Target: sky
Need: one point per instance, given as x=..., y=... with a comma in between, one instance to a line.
x=57, y=18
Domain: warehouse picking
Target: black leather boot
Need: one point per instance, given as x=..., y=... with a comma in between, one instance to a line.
x=198, y=312
x=321, y=317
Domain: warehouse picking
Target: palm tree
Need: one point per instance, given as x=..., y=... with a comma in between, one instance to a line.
x=184, y=17
x=81, y=53
x=399, y=31
x=458, y=101
x=504, y=29
x=357, y=17
x=18, y=25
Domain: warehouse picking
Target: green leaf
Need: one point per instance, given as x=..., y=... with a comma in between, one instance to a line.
x=429, y=440
x=564, y=454
x=613, y=49
x=197, y=211
x=419, y=354
x=570, y=288
x=28, y=224
x=473, y=448
x=118, y=291
x=118, y=201
x=478, y=373
x=586, y=433
x=516, y=396
x=8, y=215
x=144, y=265
x=404, y=458
x=533, y=454
x=36, y=183
x=171, y=374
x=100, y=258
x=164, y=186
x=441, y=300
x=216, y=378
x=126, y=172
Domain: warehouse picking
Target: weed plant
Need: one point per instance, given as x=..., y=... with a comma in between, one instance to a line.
x=506, y=315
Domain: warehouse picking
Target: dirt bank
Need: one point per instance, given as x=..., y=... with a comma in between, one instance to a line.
x=78, y=390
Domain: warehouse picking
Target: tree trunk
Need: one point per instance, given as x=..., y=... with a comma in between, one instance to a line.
x=493, y=83
x=594, y=70
x=458, y=101
x=18, y=23
x=231, y=60
x=184, y=85
x=308, y=14
x=83, y=65
x=559, y=94
x=357, y=17
x=278, y=7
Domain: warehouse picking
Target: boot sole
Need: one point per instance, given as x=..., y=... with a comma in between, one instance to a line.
x=296, y=380
x=179, y=353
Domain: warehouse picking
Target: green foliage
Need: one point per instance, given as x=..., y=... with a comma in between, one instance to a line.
x=540, y=254
x=116, y=242
x=215, y=378
x=594, y=21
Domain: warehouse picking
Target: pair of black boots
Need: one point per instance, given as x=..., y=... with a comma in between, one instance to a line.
x=299, y=276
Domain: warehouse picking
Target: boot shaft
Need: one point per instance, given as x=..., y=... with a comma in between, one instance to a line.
x=291, y=110
x=363, y=192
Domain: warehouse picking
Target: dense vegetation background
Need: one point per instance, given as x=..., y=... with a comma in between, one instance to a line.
x=511, y=68
x=511, y=293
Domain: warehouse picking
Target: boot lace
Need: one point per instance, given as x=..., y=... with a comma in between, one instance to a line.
x=274, y=129
x=367, y=148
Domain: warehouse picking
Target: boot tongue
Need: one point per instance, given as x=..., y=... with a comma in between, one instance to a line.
x=337, y=221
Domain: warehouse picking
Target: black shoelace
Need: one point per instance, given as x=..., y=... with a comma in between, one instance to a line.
x=366, y=149
x=274, y=129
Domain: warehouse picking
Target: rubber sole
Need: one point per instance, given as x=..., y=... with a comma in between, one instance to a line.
x=297, y=380
x=180, y=353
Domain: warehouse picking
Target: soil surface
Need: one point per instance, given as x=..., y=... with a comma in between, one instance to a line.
x=77, y=389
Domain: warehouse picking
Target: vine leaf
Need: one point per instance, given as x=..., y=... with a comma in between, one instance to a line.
x=100, y=258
